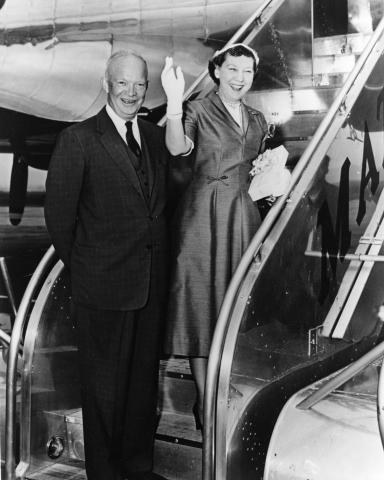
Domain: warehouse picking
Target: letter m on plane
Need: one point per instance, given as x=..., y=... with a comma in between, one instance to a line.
x=369, y=173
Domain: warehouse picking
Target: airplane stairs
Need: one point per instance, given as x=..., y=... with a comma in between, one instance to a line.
x=22, y=247
x=269, y=341
x=50, y=414
x=303, y=302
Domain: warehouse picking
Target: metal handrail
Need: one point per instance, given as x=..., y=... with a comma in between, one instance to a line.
x=8, y=286
x=4, y=337
x=316, y=148
x=5, y=340
x=380, y=403
x=353, y=369
x=17, y=332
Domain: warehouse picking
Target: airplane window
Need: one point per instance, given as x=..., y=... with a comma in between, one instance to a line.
x=345, y=16
x=330, y=17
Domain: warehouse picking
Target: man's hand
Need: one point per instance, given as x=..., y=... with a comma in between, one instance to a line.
x=173, y=84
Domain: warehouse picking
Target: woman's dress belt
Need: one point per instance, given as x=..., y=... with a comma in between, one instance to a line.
x=217, y=179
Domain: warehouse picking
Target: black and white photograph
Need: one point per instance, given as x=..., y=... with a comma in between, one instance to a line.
x=191, y=239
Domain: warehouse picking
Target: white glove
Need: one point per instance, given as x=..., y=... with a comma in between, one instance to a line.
x=173, y=85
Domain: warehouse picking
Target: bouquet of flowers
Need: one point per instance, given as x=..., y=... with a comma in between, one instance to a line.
x=270, y=177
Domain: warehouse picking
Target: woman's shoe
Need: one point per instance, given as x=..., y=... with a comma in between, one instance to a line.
x=196, y=414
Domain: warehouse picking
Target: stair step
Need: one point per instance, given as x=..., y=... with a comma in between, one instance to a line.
x=176, y=387
x=178, y=445
x=320, y=81
x=340, y=44
x=178, y=448
x=60, y=470
x=176, y=366
x=180, y=429
x=73, y=415
x=333, y=64
x=177, y=462
x=176, y=394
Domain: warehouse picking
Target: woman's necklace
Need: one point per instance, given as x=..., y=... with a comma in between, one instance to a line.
x=230, y=104
x=234, y=109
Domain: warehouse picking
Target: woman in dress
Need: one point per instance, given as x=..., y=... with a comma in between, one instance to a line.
x=216, y=218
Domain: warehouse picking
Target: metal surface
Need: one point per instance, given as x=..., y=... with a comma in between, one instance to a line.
x=338, y=380
x=210, y=398
x=16, y=337
x=359, y=257
x=380, y=403
x=255, y=23
x=338, y=439
x=4, y=337
x=8, y=285
x=28, y=239
x=314, y=347
x=56, y=39
x=282, y=69
x=50, y=372
x=356, y=275
x=312, y=158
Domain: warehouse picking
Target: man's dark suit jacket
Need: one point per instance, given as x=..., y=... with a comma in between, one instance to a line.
x=101, y=223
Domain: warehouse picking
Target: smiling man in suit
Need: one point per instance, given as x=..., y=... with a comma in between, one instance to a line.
x=104, y=211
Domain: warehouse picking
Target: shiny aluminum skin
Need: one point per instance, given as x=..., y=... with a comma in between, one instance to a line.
x=275, y=316
x=53, y=54
x=336, y=439
x=284, y=293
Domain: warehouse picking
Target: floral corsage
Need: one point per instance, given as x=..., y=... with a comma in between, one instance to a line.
x=270, y=177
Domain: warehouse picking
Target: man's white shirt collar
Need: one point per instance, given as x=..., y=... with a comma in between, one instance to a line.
x=120, y=125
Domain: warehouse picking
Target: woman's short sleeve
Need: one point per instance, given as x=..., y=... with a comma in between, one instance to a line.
x=190, y=121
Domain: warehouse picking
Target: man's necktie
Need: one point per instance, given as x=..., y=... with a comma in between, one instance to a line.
x=137, y=160
x=131, y=140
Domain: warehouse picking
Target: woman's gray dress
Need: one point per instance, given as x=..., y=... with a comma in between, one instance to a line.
x=214, y=221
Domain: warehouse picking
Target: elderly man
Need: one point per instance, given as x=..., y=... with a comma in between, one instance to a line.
x=104, y=211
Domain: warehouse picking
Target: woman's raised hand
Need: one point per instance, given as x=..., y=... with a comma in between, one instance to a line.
x=173, y=84
x=172, y=79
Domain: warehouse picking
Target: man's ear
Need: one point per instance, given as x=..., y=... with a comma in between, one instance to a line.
x=105, y=85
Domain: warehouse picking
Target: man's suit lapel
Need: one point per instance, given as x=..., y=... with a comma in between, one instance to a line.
x=114, y=145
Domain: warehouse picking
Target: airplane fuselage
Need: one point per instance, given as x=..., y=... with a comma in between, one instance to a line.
x=64, y=45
